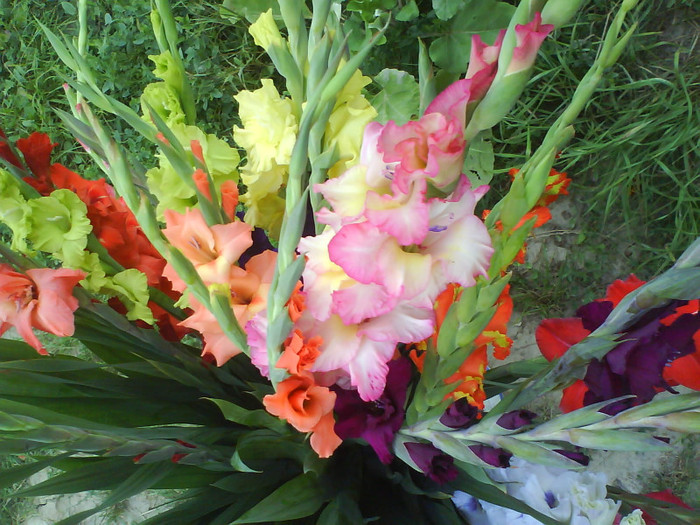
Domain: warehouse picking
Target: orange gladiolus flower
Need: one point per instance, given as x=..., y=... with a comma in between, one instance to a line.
x=299, y=354
x=308, y=407
x=470, y=378
x=40, y=299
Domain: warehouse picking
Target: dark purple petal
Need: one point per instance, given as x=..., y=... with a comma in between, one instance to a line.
x=594, y=314
x=434, y=463
x=375, y=421
x=260, y=243
x=516, y=419
x=578, y=457
x=679, y=335
x=618, y=356
x=496, y=457
x=550, y=499
x=460, y=414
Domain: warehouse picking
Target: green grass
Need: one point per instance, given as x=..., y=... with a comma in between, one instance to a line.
x=635, y=190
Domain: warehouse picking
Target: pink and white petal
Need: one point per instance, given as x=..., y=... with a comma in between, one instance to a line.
x=256, y=330
x=368, y=368
x=404, y=217
x=330, y=218
x=358, y=302
x=396, y=143
x=463, y=251
x=355, y=249
x=371, y=256
x=483, y=56
x=404, y=324
x=339, y=346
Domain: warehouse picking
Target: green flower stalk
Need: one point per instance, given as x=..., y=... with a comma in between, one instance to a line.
x=164, y=25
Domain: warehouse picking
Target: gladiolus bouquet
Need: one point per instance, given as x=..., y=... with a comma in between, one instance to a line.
x=315, y=333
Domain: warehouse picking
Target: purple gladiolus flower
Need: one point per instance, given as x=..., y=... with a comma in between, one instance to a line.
x=578, y=457
x=496, y=457
x=460, y=414
x=516, y=419
x=434, y=463
x=636, y=365
x=375, y=421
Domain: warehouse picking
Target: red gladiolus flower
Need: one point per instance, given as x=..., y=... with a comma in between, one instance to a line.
x=40, y=299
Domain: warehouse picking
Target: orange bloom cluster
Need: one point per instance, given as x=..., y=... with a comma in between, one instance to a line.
x=557, y=184
x=307, y=406
x=470, y=375
x=41, y=299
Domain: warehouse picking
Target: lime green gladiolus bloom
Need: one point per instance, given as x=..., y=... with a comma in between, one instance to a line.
x=163, y=98
x=14, y=211
x=58, y=224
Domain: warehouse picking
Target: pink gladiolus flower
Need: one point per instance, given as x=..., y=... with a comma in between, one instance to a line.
x=431, y=148
x=529, y=37
x=40, y=299
x=484, y=58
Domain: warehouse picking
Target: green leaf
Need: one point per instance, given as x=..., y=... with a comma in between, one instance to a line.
x=250, y=9
x=249, y=418
x=479, y=161
x=399, y=99
x=297, y=498
x=238, y=464
x=143, y=478
x=9, y=477
x=342, y=510
x=483, y=17
x=612, y=440
x=426, y=78
x=446, y=9
x=408, y=12
x=69, y=8
x=101, y=475
x=192, y=506
x=535, y=453
x=240, y=482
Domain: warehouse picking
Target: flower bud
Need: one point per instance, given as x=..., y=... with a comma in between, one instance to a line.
x=265, y=32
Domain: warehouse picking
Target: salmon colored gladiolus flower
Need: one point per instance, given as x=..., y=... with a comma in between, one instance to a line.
x=212, y=250
x=40, y=299
x=308, y=407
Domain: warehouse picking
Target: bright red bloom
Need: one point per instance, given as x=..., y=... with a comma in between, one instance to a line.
x=667, y=496
x=6, y=152
x=37, y=154
x=40, y=299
